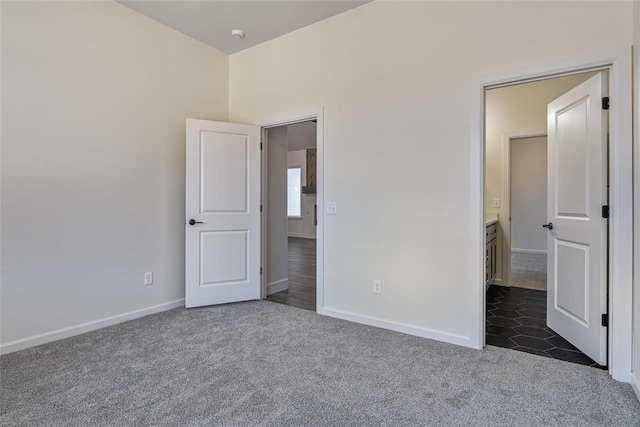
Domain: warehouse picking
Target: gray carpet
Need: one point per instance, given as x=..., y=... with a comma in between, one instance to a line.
x=267, y=364
x=529, y=270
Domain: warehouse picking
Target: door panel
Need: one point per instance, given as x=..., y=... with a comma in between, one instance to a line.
x=224, y=172
x=222, y=249
x=223, y=257
x=577, y=189
x=572, y=298
x=571, y=167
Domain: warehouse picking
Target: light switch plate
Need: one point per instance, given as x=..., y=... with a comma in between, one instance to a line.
x=332, y=208
x=496, y=203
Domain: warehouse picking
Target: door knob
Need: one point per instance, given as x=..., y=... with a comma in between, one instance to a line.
x=549, y=226
x=194, y=222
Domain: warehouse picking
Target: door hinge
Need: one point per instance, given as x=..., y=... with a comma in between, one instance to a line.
x=261, y=146
x=605, y=320
x=260, y=270
x=605, y=102
x=260, y=208
x=605, y=211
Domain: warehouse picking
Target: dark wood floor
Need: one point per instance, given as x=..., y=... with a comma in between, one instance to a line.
x=302, y=275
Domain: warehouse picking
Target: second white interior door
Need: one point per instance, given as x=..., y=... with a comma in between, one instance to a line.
x=528, y=194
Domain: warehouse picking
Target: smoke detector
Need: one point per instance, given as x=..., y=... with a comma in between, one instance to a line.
x=237, y=34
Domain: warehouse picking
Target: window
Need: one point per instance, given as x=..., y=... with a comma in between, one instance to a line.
x=294, y=191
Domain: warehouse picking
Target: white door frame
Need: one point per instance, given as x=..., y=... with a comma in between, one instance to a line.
x=507, y=137
x=619, y=64
x=317, y=115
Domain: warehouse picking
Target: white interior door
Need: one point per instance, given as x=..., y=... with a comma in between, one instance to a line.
x=577, y=243
x=222, y=258
x=528, y=191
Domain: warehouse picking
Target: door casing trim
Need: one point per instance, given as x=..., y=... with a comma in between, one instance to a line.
x=619, y=64
x=288, y=119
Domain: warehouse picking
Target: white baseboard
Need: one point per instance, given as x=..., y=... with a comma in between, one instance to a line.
x=277, y=286
x=71, y=331
x=398, y=327
x=529, y=251
x=635, y=383
x=498, y=282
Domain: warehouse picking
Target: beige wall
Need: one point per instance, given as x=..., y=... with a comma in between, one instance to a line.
x=518, y=109
x=636, y=281
x=94, y=101
x=395, y=80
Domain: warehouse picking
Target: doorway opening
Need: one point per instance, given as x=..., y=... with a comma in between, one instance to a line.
x=528, y=210
x=290, y=213
x=528, y=266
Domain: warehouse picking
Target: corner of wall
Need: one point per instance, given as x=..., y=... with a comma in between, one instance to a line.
x=98, y=65
x=636, y=167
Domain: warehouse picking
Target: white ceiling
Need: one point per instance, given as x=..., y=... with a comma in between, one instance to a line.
x=211, y=21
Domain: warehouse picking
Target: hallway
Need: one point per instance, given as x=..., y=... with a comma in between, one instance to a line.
x=302, y=275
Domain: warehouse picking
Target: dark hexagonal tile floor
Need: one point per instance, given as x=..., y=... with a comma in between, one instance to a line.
x=516, y=319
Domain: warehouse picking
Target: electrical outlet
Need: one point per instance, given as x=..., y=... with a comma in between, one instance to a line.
x=377, y=286
x=496, y=203
x=148, y=278
x=332, y=208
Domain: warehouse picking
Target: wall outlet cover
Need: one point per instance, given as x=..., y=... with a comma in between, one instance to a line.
x=377, y=286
